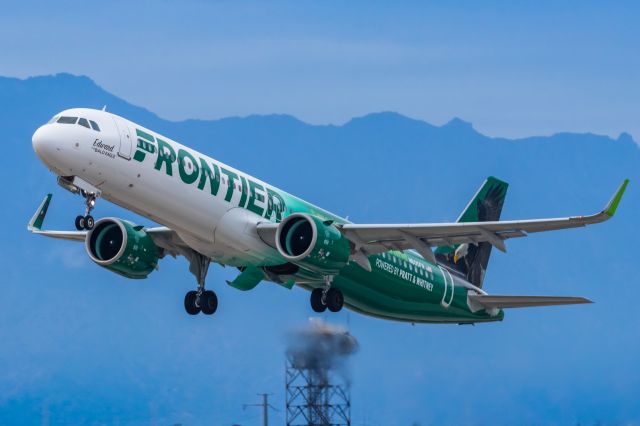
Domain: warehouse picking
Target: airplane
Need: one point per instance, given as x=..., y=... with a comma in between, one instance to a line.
x=209, y=211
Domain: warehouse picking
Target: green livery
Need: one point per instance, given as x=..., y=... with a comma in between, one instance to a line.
x=401, y=283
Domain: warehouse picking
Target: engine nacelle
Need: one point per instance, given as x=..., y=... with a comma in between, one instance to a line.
x=309, y=242
x=122, y=247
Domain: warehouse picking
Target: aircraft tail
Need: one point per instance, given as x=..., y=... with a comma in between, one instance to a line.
x=471, y=260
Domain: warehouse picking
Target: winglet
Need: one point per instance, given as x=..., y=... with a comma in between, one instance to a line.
x=38, y=218
x=611, y=208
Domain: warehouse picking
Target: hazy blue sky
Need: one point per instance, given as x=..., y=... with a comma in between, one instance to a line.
x=511, y=68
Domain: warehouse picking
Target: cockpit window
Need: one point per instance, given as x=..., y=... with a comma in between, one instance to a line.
x=67, y=120
x=84, y=122
x=94, y=125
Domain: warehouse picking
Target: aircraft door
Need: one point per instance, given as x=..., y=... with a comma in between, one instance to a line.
x=125, y=138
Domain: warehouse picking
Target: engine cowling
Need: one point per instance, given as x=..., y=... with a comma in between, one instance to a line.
x=309, y=242
x=122, y=247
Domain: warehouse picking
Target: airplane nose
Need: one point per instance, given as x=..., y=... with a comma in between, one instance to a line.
x=38, y=140
x=45, y=145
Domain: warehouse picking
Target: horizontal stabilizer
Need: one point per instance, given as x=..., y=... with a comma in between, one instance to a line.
x=503, y=302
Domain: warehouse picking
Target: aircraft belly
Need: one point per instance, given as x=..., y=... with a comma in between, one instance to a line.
x=389, y=296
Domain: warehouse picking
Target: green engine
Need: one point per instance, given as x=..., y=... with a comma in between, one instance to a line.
x=309, y=242
x=123, y=248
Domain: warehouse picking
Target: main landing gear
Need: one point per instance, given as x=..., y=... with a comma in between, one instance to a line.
x=200, y=300
x=205, y=302
x=86, y=221
x=327, y=297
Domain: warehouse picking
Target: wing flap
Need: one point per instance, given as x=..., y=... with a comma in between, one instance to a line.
x=505, y=302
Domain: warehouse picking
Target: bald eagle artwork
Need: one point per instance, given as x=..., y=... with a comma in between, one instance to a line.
x=471, y=260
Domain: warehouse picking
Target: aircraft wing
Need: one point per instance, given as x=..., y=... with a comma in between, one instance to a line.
x=35, y=224
x=162, y=236
x=372, y=239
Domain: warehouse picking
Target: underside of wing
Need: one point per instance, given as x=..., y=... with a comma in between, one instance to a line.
x=505, y=302
x=62, y=235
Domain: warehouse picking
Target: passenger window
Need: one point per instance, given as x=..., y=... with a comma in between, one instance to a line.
x=83, y=122
x=67, y=120
x=94, y=125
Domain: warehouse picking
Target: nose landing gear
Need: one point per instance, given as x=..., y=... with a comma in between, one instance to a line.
x=90, y=193
x=86, y=221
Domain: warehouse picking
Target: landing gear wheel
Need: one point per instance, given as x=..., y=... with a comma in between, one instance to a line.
x=190, y=303
x=334, y=299
x=88, y=222
x=79, y=223
x=208, y=302
x=316, y=300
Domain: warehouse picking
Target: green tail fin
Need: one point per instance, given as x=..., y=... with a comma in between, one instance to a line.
x=471, y=260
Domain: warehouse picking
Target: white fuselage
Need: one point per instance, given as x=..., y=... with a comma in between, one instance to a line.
x=214, y=225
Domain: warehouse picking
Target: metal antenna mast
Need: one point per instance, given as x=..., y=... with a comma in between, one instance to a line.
x=265, y=408
x=317, y=391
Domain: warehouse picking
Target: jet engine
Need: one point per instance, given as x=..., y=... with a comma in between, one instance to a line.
x=307, y=241
x=122, y=247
